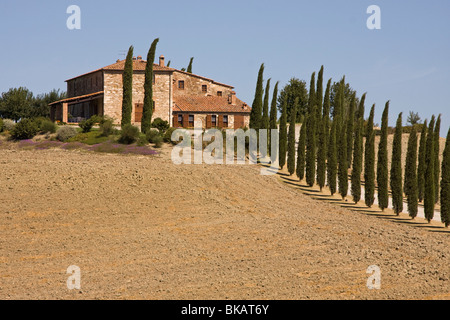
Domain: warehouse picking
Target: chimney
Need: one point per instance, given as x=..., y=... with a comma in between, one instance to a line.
x=161, y=61
x=232, y=98
x=134, y=58
x=139, y=57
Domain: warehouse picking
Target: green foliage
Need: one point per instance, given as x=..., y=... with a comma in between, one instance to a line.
x=273, y=118
x=342, y=164
x=421, y=166
x=147, y=112
x=129, y=134
x=161, y=125
x=127, y=98
x=107, y=126
x=283, y=136
x=396, y=169
x=369, y=162
x=1, y=124
x=301, y=152
x=65, y=133
x=16, y=104
x=291, y=144
x=429, y=193
x=89, y=138
x=152, y=135
x=256, y=112
x=311, y=147
x=8, y=125
x=357, y=162
x=322, y=150
x=294, y=89
x=265, y=121
x=332, y=158
x=189, y=68
x=47, y=126
x=413, y=118
x=445, y=184
x=312, y=94
x=437, y=171
x=25, y=129
x=168, y=136
x=382, y=164
x=86, y=125
x=319, y=92
x=351, y=130
x=158, y=141
x=142, y=140
x=410, y=184
x=340, y=98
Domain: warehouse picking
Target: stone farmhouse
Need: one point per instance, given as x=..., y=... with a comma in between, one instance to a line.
x=180, y=98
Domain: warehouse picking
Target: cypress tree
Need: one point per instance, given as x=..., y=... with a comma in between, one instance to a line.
x=351, y=129
x=168, y=63
x=291, y=140
x=382, y=165
x=342, y=163
x=332, y=158
x=445, y=184
x=319, y=98
x=396, y=168
x=421, y=165
x=326, y=111
x=323, y=128
x=127, y=80
x=256, y=112
x=301, y=152
x=357, y=162
x=283, y=135
x=429, y=174
x=411, y=174
x=437, y=130
x=361, y=111
x=311, y=148
x=265, y=121
x=312, y=94
x=148, y=89
x=189, y=68
x=273, y=115
x=369, y=162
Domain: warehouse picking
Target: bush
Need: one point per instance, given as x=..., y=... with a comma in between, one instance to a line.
x=107, y=126
x=1, y=124
x=129, y=134
x=86, y=125
x=161, y=125
x=47, y=126
x=158, y=141
x=168, y=135
x=142, y=141
x=8, y=125
x=25, y=129
x=152, y=134
x=65, y=133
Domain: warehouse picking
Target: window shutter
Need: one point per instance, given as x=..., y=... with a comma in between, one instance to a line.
x=208, y=121
x=220, y=124
x=175, y=121
x=185, y=120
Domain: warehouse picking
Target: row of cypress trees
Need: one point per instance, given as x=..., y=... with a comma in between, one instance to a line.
x=327, y=149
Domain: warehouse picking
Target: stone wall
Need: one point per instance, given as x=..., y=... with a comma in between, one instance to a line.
x=113, y=95
x=193, y=85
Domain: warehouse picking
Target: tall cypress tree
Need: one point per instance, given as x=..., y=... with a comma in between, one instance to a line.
x=396, y=168
x=127, y=80
x=429, y=174
x=283, y=136
x=311, y=148
x=411, y=174
x=148, y=89
x=301, y=152
x=273, y=116
x=351, y=129
x=265, y=121
x=332, y=158
x=369, y=162
x=357, y=161
x=256, y=112
x=189, y=68
x=312, y=94
x=291, y=140
x=421, y=165
x=323, y=128
x=326, y=111
x=319, y=95
x=342, y=163
x=437, y=167
x=445, y=184
x=382, y=165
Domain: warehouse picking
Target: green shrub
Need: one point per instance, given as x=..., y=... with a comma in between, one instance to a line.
x=8, y=124
x=1, y=124
x=129, y=134
x=25, y=129
x=86, y=125
x=47, y=126
x=152, y=134
x=107, y=126
x=142, y=140
x=65, y=133
x=168, y=135
x=158, y=141
x=160, y=124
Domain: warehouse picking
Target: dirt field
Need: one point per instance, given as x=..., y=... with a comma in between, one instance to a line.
x=140, y=227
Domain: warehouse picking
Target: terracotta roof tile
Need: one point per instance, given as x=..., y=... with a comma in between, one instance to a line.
x=209, y=104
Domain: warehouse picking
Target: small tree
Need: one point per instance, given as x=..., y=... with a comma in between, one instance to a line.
x=147, y=112
x=350, y=130
x=332, y=158
x=311, y=148
x=437, y=167
x=396, y=168
x=429, y=174
x=382, y=165
x=357, y=162
x=445, y=184
x=411, y=191
x=189, y=68
x=369, y=162
x=343, y=167
x=413, y=118
x=421, y=166
x=291, y=142
x=256, y=112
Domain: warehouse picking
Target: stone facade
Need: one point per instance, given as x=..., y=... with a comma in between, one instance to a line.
x=193, y=85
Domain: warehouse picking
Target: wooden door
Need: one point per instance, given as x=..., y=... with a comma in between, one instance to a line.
x=138, y=111
x=238, y=122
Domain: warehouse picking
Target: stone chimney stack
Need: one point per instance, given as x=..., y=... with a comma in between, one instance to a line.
x=161, y=61
x=232, y=98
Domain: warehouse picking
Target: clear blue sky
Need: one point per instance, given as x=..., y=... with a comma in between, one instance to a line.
x=407, y=61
